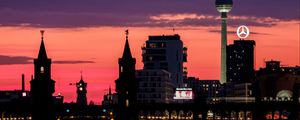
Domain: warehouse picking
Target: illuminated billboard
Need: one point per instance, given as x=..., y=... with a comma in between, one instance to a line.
x=183, y=93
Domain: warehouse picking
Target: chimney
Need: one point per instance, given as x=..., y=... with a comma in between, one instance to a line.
x=23, y=82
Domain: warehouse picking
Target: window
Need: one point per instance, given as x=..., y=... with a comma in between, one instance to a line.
x=42, y=69
x=24, y=94
x=150, y=58
x=152, y=45
x=163, y=45
x=127, y=102
x=121, y=69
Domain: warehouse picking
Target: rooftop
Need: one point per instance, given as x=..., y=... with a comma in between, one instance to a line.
x=165, y=37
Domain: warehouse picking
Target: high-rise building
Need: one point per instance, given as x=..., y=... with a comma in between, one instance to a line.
x=167, y=53
x=81, y=92
x=240, y=61
x=126, y=84
x=155, y=86
x=223, y=6
x=42, y=87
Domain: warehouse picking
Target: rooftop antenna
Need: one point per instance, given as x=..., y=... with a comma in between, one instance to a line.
x=173, y=29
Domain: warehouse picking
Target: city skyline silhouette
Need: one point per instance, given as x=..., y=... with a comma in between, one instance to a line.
x=95, y=49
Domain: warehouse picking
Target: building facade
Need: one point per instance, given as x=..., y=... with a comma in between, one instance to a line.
x=167, y=53
x=240, y=61
x=205, y=91
x=155, y=86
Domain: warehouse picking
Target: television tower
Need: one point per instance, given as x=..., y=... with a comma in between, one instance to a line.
x=223, y=6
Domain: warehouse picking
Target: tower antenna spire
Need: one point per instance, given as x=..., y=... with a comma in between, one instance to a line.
x=223, y=6
x=81, y=75
x=173, y=29
x=127, y=33
x=42, y=34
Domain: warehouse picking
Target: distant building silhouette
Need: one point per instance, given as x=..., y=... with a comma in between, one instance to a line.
x=126, y=84
x=240, y=61
x=42, y=87
x=8, y=96
x=167, y=53
x=81, y=92
x=110, y=99
x=273, y=67
x=23, y=83
x=275, y=80
x=277, y=85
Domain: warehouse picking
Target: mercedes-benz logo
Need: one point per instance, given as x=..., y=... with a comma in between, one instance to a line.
x=242, y=32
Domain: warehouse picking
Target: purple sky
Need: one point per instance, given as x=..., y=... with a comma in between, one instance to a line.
x=126, y=13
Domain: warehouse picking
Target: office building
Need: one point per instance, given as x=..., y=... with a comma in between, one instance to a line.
x=206, y=91
x=240, y=61
x=166, y=53
x=155, y=86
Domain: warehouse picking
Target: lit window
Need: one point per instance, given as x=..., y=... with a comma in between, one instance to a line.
x=143, y=51
x=24, y=94
x=42, y=69
x=121, y=69
x=80, y=89
x=127, y=102
x=150, y=58
x=152, y=45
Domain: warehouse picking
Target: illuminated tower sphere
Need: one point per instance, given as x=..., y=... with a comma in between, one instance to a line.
x=223, y=6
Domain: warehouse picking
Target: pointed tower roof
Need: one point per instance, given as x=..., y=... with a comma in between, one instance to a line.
x=127, y=52
x=42, y=51
x=81, y=78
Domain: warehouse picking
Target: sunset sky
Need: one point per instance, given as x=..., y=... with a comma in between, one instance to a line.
x=88, y=36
